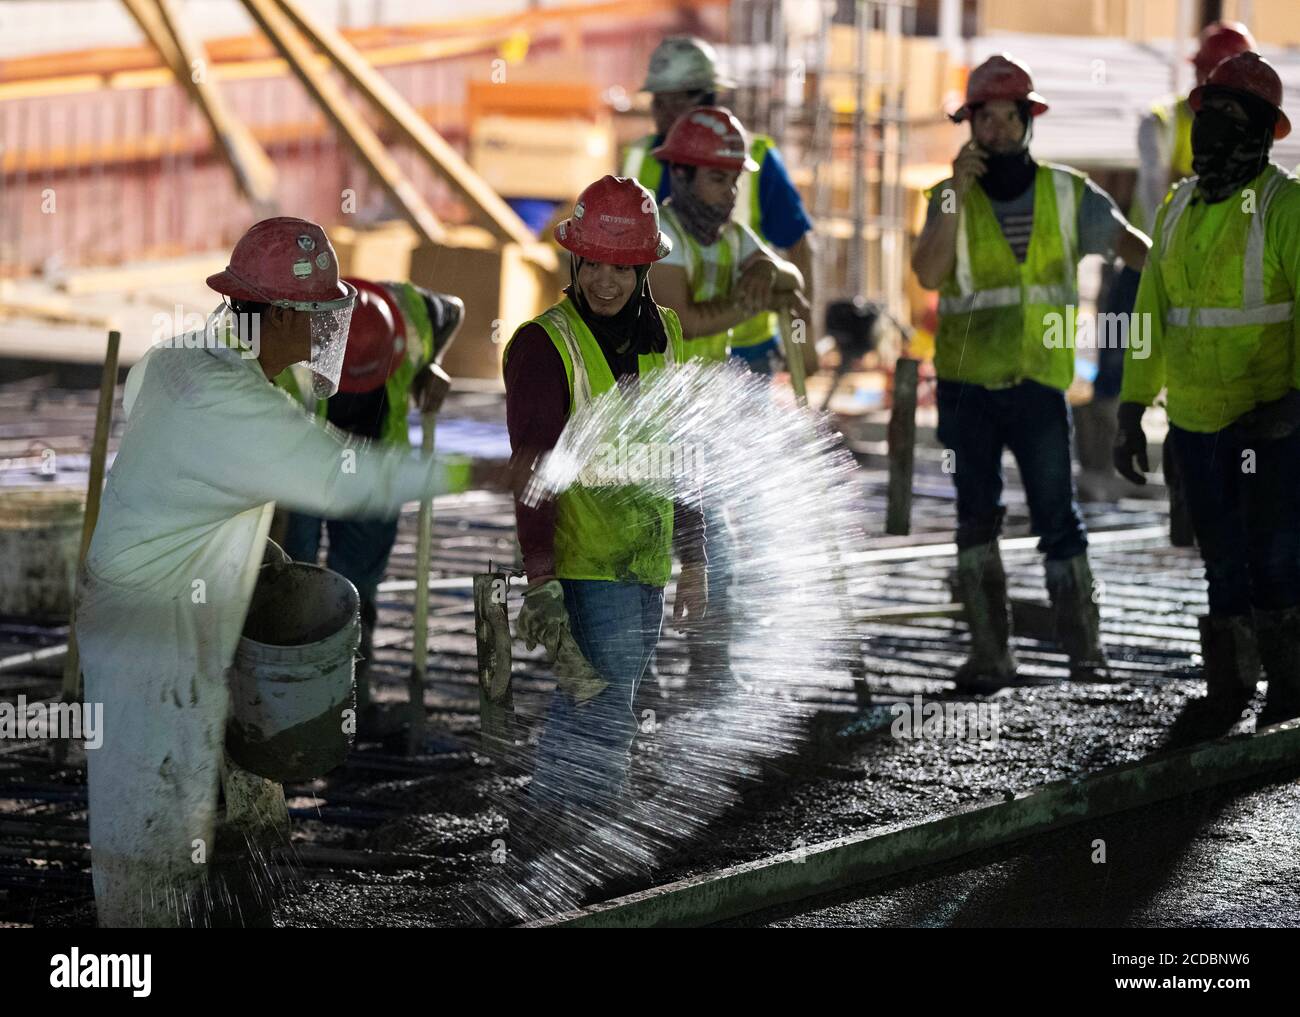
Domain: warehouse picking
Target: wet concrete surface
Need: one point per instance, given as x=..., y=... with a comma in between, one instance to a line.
x=1227, y=858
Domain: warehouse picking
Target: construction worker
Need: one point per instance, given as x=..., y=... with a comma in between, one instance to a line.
x=718, y=274
x=1220, y=290
x=210, y=446
x=683, y=75
x=1164, y=156
x=1165, y=133
x=1002, y=243
x=597, y=558
x=398, y=335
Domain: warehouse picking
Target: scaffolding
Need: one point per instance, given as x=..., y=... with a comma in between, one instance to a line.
x=828, y=82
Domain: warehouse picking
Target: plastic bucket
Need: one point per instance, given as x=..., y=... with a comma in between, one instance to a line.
x=292, y=677
x=40, y=536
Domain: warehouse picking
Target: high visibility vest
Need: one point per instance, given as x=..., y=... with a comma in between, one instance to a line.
x=711, y=272
x=618, y=533
x=1002, y=322
x=639, y=164
x=296, y=379
x=1227, y=340
x=1175, y=153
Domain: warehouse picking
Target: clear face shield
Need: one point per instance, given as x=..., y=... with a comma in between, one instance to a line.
x=330, y=320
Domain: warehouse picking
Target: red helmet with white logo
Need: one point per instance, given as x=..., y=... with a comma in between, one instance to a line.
x=616, y=221
x=1000, y=77
x=287, y=262
x=1250, y=74
x=376, y=338
x=1219, y=41
x=707, y=136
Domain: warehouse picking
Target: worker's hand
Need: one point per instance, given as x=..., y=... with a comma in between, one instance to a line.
x=543, y=616
x=1131, y=444
x=967, y=167
x=1271, y=421
x=429, y=388
x=754, y=288
x=692, y=597
x=797, y=304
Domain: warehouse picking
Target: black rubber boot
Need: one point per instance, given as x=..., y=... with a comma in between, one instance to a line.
x=982, y=586
x=1278, y=633
x=1077, y=621
x=1231, y=655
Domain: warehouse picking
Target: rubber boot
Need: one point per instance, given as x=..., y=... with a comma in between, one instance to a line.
x=708, y=646
x=1076, y=618
x=1231, y=655
x=982, y=586
x=1095, y=426
x=1279, y=653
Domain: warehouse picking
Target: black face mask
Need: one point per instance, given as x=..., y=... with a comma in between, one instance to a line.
x=1008, y=175
x=1226, y=153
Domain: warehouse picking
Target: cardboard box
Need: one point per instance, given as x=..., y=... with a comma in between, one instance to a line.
x=502, y=285
x=379, y=252
x=534, y=157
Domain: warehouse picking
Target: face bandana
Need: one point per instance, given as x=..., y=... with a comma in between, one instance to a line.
x=703, y=222
x=1008, y=175
x=1226, y=152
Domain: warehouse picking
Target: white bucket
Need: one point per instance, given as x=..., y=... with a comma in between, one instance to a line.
x=292, y=677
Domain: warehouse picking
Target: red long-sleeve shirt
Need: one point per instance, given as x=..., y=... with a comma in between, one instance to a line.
x=537, y=408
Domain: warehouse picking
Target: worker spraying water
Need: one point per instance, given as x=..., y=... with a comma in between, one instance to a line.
x=210, y=447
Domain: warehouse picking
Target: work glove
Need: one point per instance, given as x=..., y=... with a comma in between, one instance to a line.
x=544, y=619
x=1271, y=421
x=1131, y=444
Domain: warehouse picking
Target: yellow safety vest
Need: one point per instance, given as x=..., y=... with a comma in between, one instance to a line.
x=1002, y=322
x=1222, y=329
x=617, y=533
x=711, y=272
x=639, y=164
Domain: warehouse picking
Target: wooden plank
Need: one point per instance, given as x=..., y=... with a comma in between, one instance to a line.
x=497, y=216
x=902, y=448
x=348, y=120
x=248, y=161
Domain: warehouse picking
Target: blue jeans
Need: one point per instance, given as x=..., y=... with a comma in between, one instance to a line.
x=1033, y=421
x=582, y=757
x=358, y=550
x=1247, y=524
x=760, y=358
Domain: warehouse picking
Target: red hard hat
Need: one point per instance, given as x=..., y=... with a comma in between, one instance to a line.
x=1250, y=74
x=616, y=220
x=376, y=338
x=283, y=261
x=1000, y=77
x=707, y=136
x=1220, y=40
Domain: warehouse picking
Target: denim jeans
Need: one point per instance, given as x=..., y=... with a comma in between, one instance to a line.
x=358, y=551
x=582, y=757
x=1033, y=421
x=1244, y=500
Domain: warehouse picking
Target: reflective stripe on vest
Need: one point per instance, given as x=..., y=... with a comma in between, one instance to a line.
x=1253, y=309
